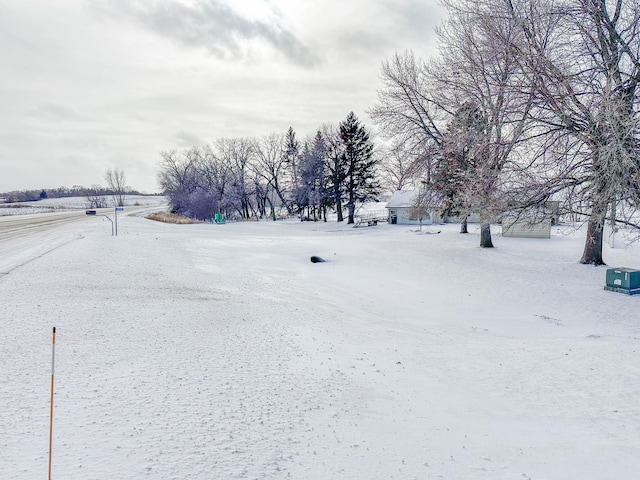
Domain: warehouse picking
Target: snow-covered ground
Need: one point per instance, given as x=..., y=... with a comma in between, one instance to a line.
x=221, y=352
x=49, y=205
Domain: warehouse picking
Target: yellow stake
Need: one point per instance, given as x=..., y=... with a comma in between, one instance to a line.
x=53, y=362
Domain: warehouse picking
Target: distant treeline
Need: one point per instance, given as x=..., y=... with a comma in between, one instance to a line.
x=62, y=192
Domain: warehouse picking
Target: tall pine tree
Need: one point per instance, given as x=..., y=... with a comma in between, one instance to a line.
x=313, y=191
x=336, y=173
x=359, y=162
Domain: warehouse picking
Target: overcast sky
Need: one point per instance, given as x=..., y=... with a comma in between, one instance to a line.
x=88, y=85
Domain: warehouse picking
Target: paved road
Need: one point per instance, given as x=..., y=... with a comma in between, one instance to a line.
x=25, y=237
x=17, y=226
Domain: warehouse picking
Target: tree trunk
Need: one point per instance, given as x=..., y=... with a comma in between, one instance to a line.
x=485, y=235
x=339, y=211
x=283, y=200
x=351, y=209
x=592, y=253
x=463, y=225
x=272, y=209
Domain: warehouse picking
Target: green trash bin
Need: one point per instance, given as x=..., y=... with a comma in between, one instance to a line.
x=623, y=280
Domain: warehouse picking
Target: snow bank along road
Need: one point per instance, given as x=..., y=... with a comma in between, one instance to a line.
x=25, y=237
x=222, y=352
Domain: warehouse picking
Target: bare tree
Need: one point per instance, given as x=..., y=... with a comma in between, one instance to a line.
x=95, y=198
x=178, y=180
x=408, y=107
x=238, y=153
x=233, y=176
x=213, y=175
x=423, y=204
x=404, y=164
x=467, y=105
x=271, y=164
x=481, y=81
x=583, y=57
x=117, y=183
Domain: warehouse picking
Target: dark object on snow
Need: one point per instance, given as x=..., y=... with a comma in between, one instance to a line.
x=315, y=259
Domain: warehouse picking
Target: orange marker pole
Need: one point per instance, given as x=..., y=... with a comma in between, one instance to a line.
x=53, y=363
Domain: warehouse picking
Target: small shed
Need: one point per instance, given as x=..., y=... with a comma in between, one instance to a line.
x=535, y=223
x=400, y=204
x=526, y=227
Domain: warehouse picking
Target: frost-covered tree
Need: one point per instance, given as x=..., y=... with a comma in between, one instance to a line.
x=482, y=79
x=453, y=172
x=272, y=165
x=214, y=175
x=177, y=179
x=408, y=108
x=428, y=100
x=404, y=164
x=238, y=153
x=188, y=183
x=584, y=59
x=423, y=203
x=203, y=181
x=248, y=177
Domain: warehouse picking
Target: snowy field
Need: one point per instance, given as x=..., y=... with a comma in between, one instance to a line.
x=49, y=205
x=221, y=352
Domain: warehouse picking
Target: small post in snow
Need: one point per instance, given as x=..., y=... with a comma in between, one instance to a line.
x=118, y=209
x=53, y=363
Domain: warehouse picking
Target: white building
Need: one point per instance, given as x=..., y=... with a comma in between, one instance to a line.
x=401, y=202
x=399, y=205
x=513, y=226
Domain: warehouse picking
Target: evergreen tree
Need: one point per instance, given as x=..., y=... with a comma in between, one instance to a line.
x=454, y=171
x=359, y=162
x=313, y=191
x=335, y=168
x=291, y=154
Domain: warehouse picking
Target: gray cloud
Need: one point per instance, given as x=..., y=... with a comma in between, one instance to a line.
x=92, y=84
x=213, y=25
x=416, y=16
x=385, y=26
x=57, y=112
x=186, y=139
